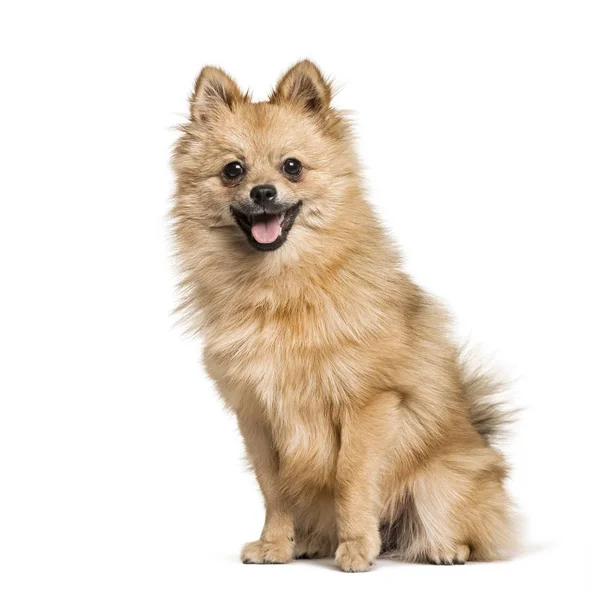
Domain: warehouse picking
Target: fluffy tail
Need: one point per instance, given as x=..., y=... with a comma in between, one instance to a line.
x=488, y=412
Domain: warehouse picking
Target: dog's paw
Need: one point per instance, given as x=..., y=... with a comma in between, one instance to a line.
x=267, y=553
x=459, y=556
x=356, y=556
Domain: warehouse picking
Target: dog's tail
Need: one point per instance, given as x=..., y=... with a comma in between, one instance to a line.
x=484, y=393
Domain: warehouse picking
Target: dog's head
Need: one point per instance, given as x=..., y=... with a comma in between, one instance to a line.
x=258, y=175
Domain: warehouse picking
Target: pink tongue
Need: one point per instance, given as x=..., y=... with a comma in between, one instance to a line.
x=266, y=231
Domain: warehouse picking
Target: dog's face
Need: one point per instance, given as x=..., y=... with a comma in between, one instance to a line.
x=260, y=174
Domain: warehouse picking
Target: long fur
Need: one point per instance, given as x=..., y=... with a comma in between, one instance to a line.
x=366, y=432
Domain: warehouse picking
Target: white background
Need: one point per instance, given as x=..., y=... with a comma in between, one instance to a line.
x=120, y=473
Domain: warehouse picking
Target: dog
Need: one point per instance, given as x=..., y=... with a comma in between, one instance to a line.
x=367, y=432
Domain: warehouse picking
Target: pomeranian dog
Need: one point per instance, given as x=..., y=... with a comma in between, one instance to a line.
x=366, y=432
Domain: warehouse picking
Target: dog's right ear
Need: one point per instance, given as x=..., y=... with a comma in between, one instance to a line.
x=214, y=90
x=305, y=86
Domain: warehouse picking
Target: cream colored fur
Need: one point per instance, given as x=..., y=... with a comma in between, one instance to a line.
x=363, y=430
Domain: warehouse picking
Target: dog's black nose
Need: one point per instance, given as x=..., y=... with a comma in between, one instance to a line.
x=261, y=194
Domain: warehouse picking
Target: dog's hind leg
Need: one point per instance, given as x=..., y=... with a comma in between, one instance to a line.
x=315, y=530
x=456, y=510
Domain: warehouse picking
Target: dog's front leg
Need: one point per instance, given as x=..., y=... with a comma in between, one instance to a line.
x=276, y=544
x=366, y=435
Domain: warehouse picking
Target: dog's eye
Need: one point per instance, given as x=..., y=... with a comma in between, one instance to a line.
x=233, y=170
x=292, y=167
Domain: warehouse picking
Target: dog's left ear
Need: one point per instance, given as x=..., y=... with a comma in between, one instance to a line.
x=304, y=85
x=214, y=90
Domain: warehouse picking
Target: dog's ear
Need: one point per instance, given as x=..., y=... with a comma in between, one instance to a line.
x=305, y=86
x=214, y=90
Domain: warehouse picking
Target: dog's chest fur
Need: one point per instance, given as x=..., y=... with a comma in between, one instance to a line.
x=289, y=359
x=298, y=369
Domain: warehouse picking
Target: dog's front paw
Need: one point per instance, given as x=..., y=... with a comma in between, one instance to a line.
x=267, y=553
x=356, y=556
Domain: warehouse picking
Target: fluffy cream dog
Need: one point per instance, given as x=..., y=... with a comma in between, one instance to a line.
x=365, y=433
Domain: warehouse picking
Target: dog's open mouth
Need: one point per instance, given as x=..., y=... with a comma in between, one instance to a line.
x=267, y=230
